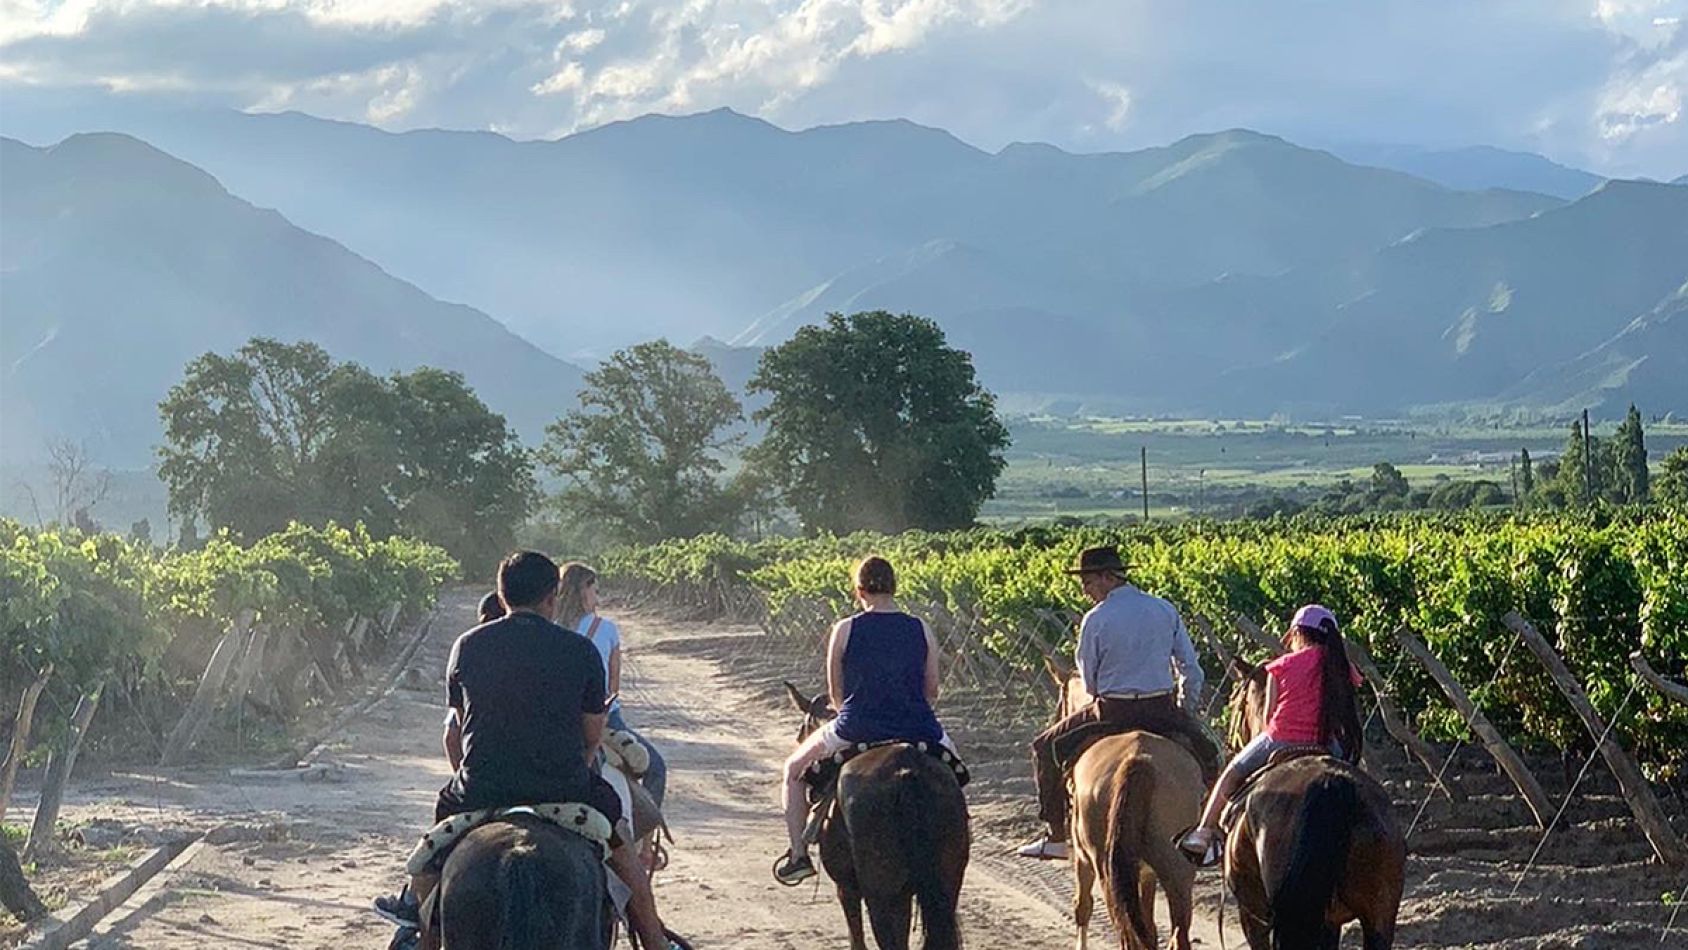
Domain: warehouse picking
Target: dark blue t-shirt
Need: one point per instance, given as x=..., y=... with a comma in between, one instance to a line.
x=885, y=681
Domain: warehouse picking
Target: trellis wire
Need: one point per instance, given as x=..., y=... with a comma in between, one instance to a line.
x=1571, y=793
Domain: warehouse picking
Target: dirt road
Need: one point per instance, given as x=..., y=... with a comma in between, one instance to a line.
x=295, y=863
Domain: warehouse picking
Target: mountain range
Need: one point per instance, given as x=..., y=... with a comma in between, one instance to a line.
x=1227, y=272
x=121, y=264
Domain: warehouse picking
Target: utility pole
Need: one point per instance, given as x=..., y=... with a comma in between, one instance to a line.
x=1588, y=462
x=1143, y=456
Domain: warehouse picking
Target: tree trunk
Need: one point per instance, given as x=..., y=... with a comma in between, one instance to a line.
x=21, y=727
x=192, y=723
x=15, y=893
x=59, y=766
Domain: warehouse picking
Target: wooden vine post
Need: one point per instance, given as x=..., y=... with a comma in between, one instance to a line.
x=59, y=766
x=1394, y=724
x=1667, y=688
x=21, y=728
x=1637, y=793
x=192, y=724
x=1252, y=630
x=1540, y=807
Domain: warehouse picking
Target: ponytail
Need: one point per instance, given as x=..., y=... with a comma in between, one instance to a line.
x=1339, y=716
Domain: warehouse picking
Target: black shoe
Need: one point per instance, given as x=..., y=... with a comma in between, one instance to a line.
x=792, y=871
x=400, y=909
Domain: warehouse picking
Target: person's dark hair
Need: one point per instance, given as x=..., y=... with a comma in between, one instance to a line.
x=874, y=575
x=491, y=607
x=1339, y=711
x=526, y=578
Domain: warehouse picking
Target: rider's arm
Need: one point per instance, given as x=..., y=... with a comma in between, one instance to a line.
x=1187, y=664
x=931, y=663
x=835, y=663
x=615, y=670
x=592, y=728
x=1089, y=654
x=454, y=740
x=1271, y=701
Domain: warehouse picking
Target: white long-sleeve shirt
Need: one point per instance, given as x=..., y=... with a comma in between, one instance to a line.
x=1134, y=643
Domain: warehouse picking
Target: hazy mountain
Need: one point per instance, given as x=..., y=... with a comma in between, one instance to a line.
x=1465, y=314
x=703, y=224
x=1680, y=181
x=1477, y=168
x=1645, y=364
x=119, y=264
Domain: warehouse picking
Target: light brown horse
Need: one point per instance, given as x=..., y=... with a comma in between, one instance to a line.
x=1132, y=794
x=1315, y=845
x=898, y=840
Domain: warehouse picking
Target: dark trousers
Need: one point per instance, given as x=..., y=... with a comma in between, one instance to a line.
x=1056, y=749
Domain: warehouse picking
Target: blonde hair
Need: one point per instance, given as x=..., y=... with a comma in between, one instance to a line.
x=571, y=593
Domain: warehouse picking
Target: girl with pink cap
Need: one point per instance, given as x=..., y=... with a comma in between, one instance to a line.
x=1309, y=701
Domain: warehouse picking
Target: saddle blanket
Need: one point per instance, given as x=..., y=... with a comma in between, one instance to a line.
x=821, y=776
x=583, y=820
x=626, y=753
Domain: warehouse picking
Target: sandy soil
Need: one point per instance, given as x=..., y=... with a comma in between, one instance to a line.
x=294, y=863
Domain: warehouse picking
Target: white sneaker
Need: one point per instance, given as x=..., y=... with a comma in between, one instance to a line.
x=1045, y=850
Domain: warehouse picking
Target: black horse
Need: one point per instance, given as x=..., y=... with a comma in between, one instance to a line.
x=521, y=882
x=898, y=840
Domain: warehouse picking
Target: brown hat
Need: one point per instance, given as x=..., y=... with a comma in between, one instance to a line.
x=1098, y=560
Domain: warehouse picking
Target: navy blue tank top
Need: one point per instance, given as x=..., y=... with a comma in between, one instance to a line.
x=885, y=681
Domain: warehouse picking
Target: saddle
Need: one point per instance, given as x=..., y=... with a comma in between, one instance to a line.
x=822, y=778
x=583, y=820
x=1287, y=754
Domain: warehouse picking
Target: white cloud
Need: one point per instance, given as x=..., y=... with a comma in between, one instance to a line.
x=1597, y=81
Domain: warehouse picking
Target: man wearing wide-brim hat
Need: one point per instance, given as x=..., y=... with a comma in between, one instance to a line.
x=1136, y=659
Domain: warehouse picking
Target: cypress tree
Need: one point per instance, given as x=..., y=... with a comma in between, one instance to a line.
x=1630, y=447
x=1526, y=476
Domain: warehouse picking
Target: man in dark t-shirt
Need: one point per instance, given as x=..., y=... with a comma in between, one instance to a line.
x=526, y=691
x=528, y=706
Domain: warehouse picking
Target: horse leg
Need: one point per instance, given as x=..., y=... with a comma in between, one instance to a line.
x=1146, y=901
x=1084, y=898
x=891, y=918
x=851, y=899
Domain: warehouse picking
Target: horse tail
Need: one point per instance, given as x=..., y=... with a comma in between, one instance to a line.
x=522, y=898
x=921, y=815
x=1301, y=900
x=1128, y=830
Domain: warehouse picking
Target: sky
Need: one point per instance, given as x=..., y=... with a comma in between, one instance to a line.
x=1599, y=84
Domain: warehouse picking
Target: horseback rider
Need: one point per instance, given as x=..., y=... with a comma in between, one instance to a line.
x=882, y=678
x=579, y=612
x=529, y=699
x=1309, y=702
x=1136, y=659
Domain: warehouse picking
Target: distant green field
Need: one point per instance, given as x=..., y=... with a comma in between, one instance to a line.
x=1088, y=467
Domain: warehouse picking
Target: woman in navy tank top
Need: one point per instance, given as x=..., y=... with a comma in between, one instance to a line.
x=882, y=678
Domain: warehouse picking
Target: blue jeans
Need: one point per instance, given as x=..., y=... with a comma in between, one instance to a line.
x=655, y=778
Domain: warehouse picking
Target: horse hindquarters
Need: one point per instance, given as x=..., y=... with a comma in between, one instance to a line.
x=908, y=839
x=1301, y=895
x=510, y=885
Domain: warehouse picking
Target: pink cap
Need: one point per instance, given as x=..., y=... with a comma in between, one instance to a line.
x=1313, y=616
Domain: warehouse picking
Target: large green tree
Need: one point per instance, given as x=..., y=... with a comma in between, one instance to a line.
x=643, y=453
x=876, y=423
x=280, y=432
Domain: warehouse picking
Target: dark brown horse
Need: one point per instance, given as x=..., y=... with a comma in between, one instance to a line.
x=1315, y=845
x=521, y=882
x=898, y=840
x=1132, y=793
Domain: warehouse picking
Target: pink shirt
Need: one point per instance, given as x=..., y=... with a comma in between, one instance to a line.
x=1295, y=718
